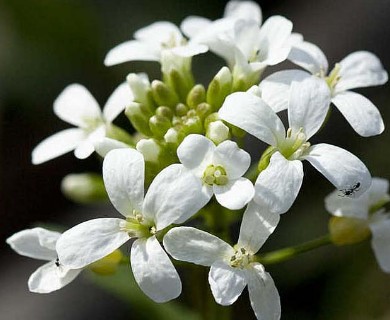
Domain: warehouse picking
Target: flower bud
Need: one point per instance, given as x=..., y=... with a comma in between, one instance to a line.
x=138, y=118
x=84, y=188
x=159, y=125
x=265, y=158
x=140, y=86
x=163, y=95
x=181, y=110
x=196, y=96
x=149, y=149
x=193, y=125
x=346, y=230
x=203, y=110
x=219, y=88
x=164, y=112
x=217, y=132
x=107, y=265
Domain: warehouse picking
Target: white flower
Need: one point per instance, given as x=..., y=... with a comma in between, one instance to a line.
x=278, y=185
x=232, y=268
x=234, y=10
x=358, y=69
x=151, y=42
x=172, y=198
x=39, y=243
x=78, y=107
x=368, y=210
x=219, y=168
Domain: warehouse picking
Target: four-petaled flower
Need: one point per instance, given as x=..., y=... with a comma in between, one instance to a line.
x=366, y=214
x=232, y=268
x=167, y=201
x=39, y=243
x=219, y=168
x=278, y=185
x=357, y=70
x=77, y=106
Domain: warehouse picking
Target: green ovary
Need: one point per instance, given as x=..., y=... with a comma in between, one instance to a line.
x=295, y=145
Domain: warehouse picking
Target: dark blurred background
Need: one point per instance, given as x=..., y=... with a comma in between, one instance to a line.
x=47, y=44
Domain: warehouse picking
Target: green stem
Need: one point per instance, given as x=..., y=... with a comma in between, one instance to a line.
x=291, y=252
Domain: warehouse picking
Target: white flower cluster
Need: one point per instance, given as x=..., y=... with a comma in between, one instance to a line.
x=183, y=155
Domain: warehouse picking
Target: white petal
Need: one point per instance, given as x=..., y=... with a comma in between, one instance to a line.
x=87, y=147
x=226, y=283
x=360, y=112
x=36, y=243
x=247, y=10
x=361, y=69
x=235, y=194
x=105, y=145
x=264, y=296
x=153, y=271
x=339, y=205
x=278, y=185
x=159, y=32
x=190, y=50
x=193, y=24
x=343, y=169
x=123, y=174
x=132, y=51
x=246, y=34
x=196, y=246
x=117, y=102
x=253, y=115
x=235, y=161
x=275, y=89
x=194, y=150
x=77, y=106
x=309, y=57
x=381, y=243
x=49, y=278
x=274, y=40
x=174, y=196
x=308, y=105
x=257, y=225
x=378, y=191
x=90, y=241
x=57, y=145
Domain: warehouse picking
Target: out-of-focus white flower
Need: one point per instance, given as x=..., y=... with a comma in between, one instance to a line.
x=172, y=197
x=78, y=107
x=278, y=185
x=219, y=169
x=39, y=243
x=358, y=69
x=368, y=210
x=151, y=42
x=232, y=268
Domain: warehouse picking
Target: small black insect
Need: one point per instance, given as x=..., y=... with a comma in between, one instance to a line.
x=57, y=263
x=350, y=191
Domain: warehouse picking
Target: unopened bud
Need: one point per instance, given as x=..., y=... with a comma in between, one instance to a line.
x=164, y=112
x=149, y=149
x=181, y=110
x=140, y=86
x=203, y=110
x=193, y=125
x=163, y=95
x=219, y=88
x=138, y=118
x=265, y=158
x=84, y=188
x=159, y=125
x=196, y=96
x=217, y=131
x=346, y=230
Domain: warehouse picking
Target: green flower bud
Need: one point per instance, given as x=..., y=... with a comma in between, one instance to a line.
x=138, y=118
x=196, y=96
x=159, y=125
x=345, y=230
x=181, y=110
x=265, y=158
x=217, y=132
x=84, y=188
x=142, y=92
x=192, y=125
x=164, y=112
x=107, y=265
x=203, y=110
x=163, y=95
x=180, y=83
x=219, y=88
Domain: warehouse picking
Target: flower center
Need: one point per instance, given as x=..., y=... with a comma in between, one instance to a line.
x=215, y=175
x=173, y=41
x=136, y=226
x=334, y=77
x=90, y=124
x=295, y=145
x=241, y=258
